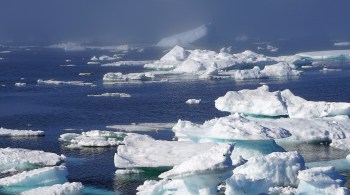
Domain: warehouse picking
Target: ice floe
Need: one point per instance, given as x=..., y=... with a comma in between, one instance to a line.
x=341, y=44
x=144, y=151
x=128, y=63
x=121, y=95
x=20, y=84
x=321, y=180
x=17, y=159
x=93, y=138
x=185, y=37
x=56, y=82
x=120, y=77
x=326, y=55
x=74, y=188
x=128, y=171
x=19, y=133
x=193, y=101
x=69, y=46
x=142, y=127
x=85, y=74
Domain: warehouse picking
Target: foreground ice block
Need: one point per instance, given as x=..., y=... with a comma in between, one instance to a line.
x=17, y=159
x=262, y=102
x=321, y=180
x=200, y=174
x=37, y=177
x=144, y=151
x=19, y=133
x=75, y=188
x=93, y=138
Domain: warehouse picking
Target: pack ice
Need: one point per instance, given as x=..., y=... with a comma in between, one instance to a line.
x=19, y=133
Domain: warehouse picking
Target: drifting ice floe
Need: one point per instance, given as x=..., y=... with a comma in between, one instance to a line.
x=185, y=37
x=128, y=63
x=342, y=44
x=94, y=138
x=121, y=95
x=85, y=74
x=193, y=101
x=144, y=151
x=67, y=188
x=321, y=180
x=142, y=127
x=69, y=46
x=16, y=159
x=20, y=84
x=326, y=55
x=199, y=174
x=55, y=82
x=19, y=133
x=120, y=77
x=280, y=103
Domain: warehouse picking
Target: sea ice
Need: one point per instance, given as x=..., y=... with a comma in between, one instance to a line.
x=193, y=101
x=128, y=63
x=142, y=127
x=340, y=44
x=20, y=84
x=16, y=159
x=55, y=82
x=326, y=55
x=119, y=77
x=93, y=138
x=19, y=133
x=75, y=188
x=144, y=151
x=69, y=46
x=121, y=95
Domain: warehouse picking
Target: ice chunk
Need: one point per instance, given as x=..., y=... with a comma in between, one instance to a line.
x=326, y=55
x=93, y=138
x=37, y=177
x=121, y=95
x=142, y=127
x=75, y=188
x=94, y=58
x=85, y=74
x=19, y=133
x=69, y=46
x=128, y=63
x=107, y=58
x=119, y=77
x=144, y=151
x=282, y=190
x=128, y=171
x=22, y=159
x=338, y=164
x=242, y=184
x=343, y=144
x=254, y=102
x=281, y=69
x=321, y=180
x=94, y=62
x=193, y=101
x=185, y=37
x=177, y=53
x=55, y=82
x=20, y=84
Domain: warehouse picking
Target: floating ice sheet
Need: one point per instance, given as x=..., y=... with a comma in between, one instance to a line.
x=19, y=133
x=142, y=127
x=55, y=82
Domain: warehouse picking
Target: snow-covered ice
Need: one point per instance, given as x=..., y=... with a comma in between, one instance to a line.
x=56, y=82
x=326, y=55
x=121, y=95
x=120, y=77
x=128, y=171
x=193, y=101
x=74, y=188
x=19, y=133
x=185, y=37
x=142, y=127
x=144, y=151
x=128, y=63
x=93, y=138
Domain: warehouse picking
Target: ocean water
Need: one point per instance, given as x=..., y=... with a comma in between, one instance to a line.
x=56, y=108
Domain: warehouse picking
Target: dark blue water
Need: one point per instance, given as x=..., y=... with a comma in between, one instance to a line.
x=55, y=108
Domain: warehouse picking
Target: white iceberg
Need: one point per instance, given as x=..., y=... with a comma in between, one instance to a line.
x=74, y=188
x=120, y=77
x=37, y=177
x=142, y=127
x=326, y=55
x=19, y=133
x=55, y=82
x=144, y=151
x=185, y=37
x=17, y=159
x=193, y=101
x=121, y=95
x=93, y=138
x=321, y=180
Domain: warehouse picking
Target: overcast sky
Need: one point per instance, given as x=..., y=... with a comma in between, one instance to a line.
x=149, y=20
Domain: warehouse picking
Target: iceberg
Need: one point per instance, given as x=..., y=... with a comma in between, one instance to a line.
x=93, y=138
x=121, y=95
x=321, y=180
x=142, y=127
x=19, y=133
x=326, y=55
x=55, y=82
x=17, y=159
x=193, y=101
x=20, y=84
x=120, y=77
x=185, y=37
x=37, y=177
x=74, y=188
x=200, y=174
x=128, y=63
x=141, y=151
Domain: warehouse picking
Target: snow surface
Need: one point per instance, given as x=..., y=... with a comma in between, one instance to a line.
x=55, y=82
x=144, y=151
x=93, y=138
x=193, y=101
x=121, y=95
x=142, y=127
x=74, y=188
x=185, y=37
x=321, y=180
x=21, y=159
x=19, y=133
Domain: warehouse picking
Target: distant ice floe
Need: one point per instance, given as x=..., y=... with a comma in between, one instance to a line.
x=93, y=63
x=74, y=188
x=56, y=82
x=193, y=101
x=185, y=37
x=69, y=46
x=121, y=95
x=68, y=65
x=5, y=52
x=112, y=77
x=145, y=127
x=85, y=74
x=269, y=48
x=93, y=138
x=20, y=84
x=326, y=55
x=128, y=63
x=19, y=133
x=342, y=44
x=141, y=151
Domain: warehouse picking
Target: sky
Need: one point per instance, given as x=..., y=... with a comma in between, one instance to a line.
x=147, y=21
